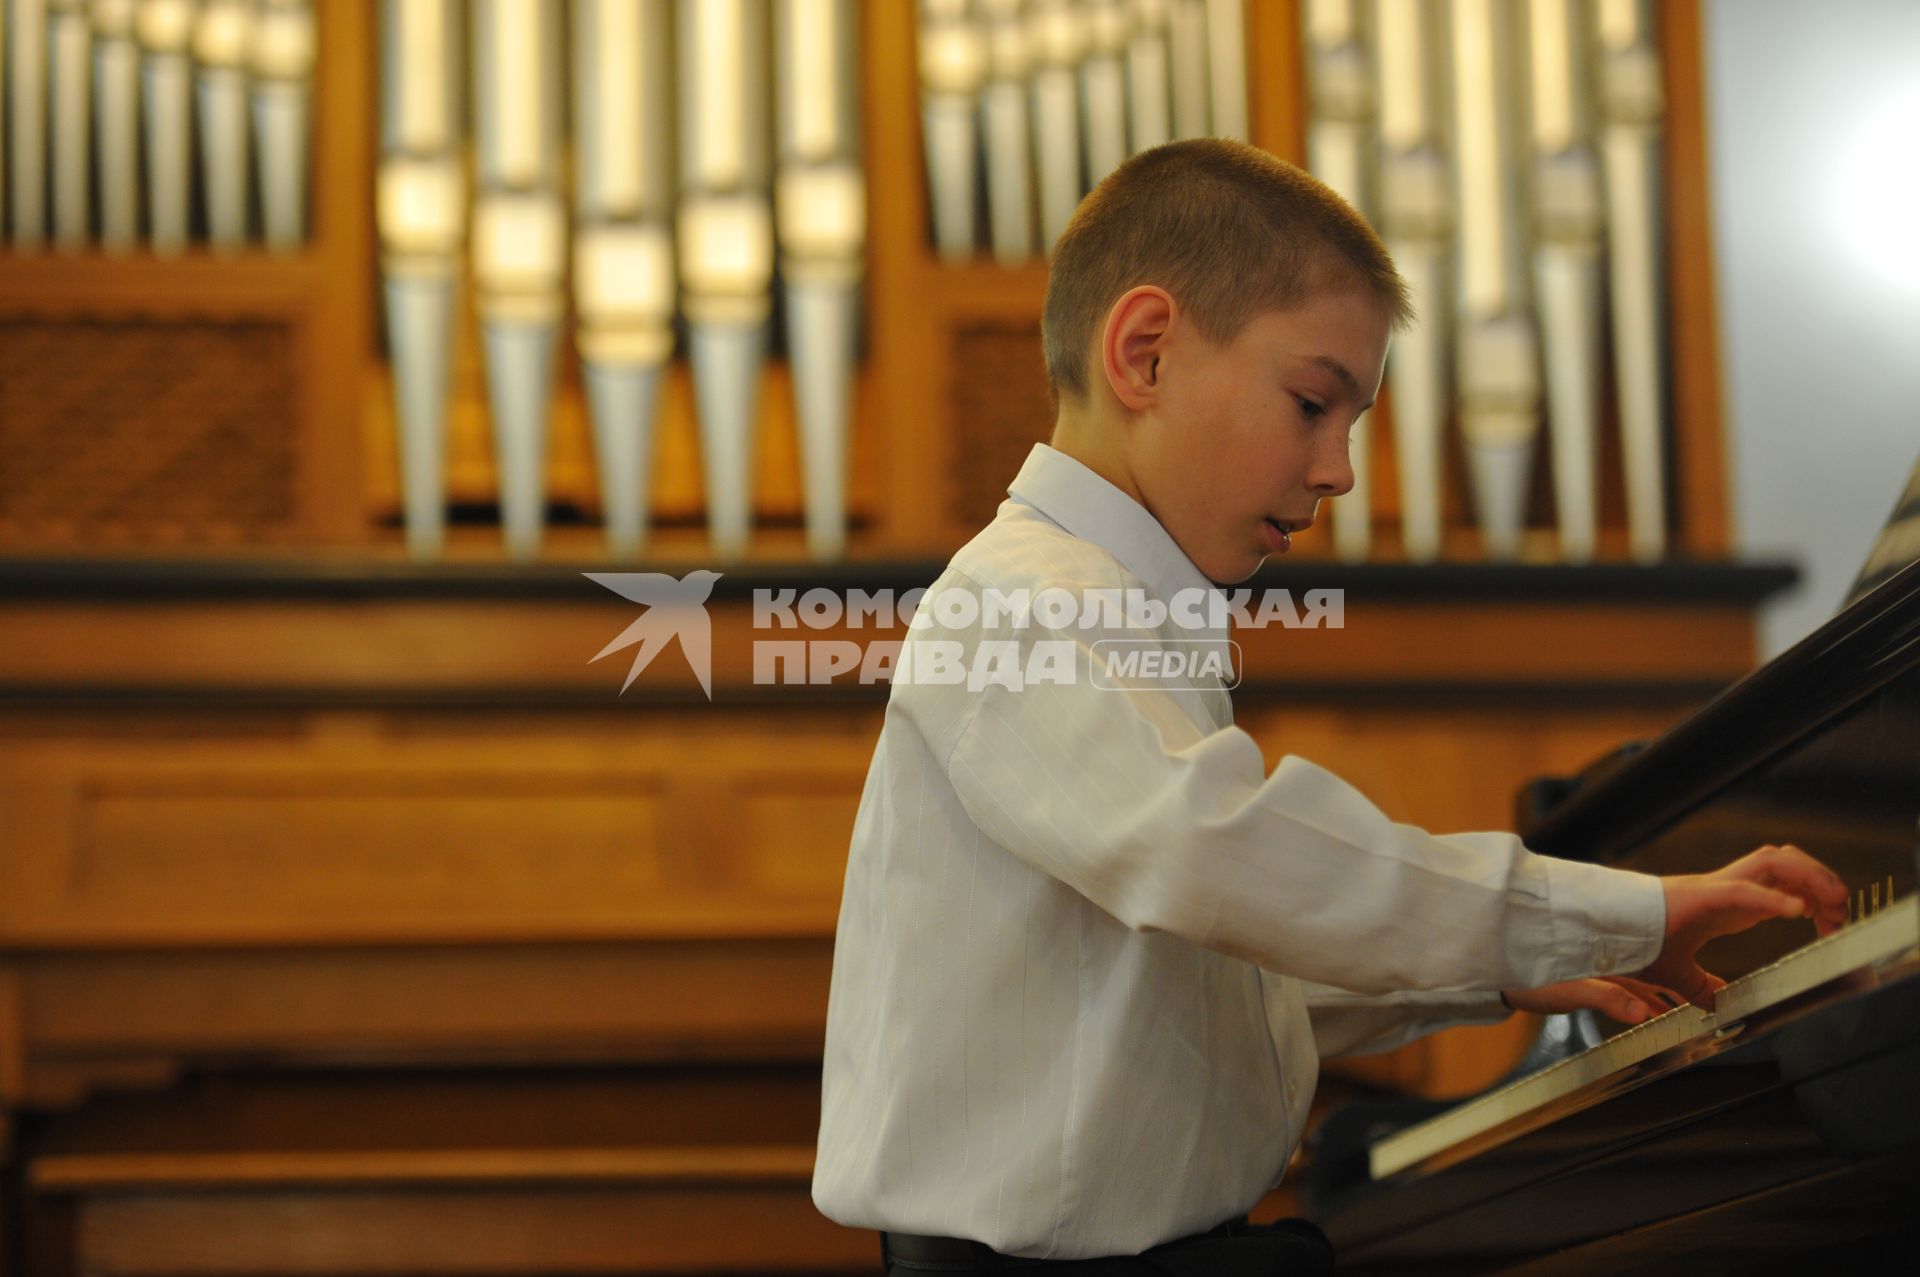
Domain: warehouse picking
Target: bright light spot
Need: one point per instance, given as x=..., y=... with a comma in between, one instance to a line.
x=1877, y=194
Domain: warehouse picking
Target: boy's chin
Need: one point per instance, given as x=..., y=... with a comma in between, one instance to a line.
x=1241, y=570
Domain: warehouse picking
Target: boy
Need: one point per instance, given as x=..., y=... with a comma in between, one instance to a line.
x=1089, y=952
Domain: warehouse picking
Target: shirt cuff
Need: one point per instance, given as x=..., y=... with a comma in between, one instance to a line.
x=1606, y=921
x=1480, y=1008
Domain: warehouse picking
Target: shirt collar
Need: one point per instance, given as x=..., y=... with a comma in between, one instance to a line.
x=1073, y=496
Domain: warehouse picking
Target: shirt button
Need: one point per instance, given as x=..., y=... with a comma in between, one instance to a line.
x=1604, y=963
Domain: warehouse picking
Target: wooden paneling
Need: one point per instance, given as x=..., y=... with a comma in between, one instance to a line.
x=13, y=1070
x=1699, y=448
x=672, y=831
x=422, y=647
x=321, y=843
x=425, y=1002
x=463, y=1232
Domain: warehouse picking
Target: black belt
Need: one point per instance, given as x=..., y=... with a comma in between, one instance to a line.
x=1297, y=1237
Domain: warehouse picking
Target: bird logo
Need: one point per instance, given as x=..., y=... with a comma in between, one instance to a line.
x=676, y=608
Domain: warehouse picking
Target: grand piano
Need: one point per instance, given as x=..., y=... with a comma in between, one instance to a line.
x=1780, y=1132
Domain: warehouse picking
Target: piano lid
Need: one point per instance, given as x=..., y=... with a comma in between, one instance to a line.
x=1789, y=1144
x=1834, y=671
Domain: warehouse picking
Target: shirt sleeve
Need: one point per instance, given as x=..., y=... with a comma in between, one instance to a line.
x=1365, y=1024
x=1170, y=827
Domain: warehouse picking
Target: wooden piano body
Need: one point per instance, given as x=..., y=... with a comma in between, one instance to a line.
x=1785, y=1138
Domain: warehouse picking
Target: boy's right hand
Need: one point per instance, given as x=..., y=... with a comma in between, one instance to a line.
x=1772, y=882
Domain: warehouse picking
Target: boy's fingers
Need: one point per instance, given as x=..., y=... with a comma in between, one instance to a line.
x=1702, y=990
x=1688, y=980
x=1740, y=896
x=1656, y=998
x=1791, y=869
x=1623, y=1005
x=1610, y=997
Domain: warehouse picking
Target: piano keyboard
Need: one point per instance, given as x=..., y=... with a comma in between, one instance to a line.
x=1522, y=1106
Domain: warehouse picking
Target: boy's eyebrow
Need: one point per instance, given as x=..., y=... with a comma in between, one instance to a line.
x=1340, y=372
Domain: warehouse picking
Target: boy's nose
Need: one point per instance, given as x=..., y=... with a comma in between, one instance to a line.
x=1332, y=473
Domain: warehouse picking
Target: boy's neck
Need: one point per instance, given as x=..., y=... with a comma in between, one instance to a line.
x=1100, y=446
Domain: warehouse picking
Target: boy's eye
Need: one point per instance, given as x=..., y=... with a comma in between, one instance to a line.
x=1309, y=409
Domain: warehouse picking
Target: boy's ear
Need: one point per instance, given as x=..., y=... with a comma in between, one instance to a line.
x=1132, y=343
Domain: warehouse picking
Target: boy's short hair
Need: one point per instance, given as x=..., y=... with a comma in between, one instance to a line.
x=1226, y=228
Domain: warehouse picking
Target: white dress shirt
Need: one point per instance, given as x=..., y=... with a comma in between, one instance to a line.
x=1090, y=952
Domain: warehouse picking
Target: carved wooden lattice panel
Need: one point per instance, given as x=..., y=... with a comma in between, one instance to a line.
x=120, y=431
x=1000, y=410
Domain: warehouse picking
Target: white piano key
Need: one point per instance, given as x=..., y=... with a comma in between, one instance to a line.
x=1872, y=941
x=1417, y=1143
x=1890, y=936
